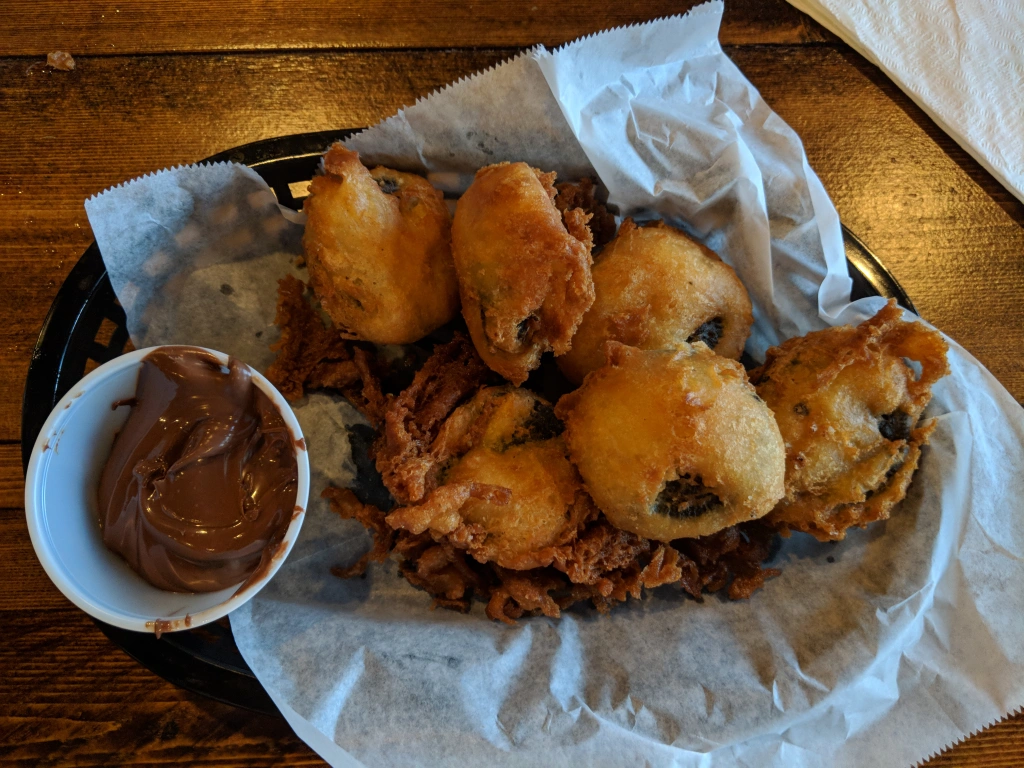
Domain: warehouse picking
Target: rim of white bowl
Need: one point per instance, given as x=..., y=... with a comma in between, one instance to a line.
x=57, y=571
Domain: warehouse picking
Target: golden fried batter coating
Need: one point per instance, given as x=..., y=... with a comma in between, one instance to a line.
x=848, y=406
x=674, y=444
x=378, y=248
x=509, y=494
x=657, y=288
x=582, y=194
x=524, y=275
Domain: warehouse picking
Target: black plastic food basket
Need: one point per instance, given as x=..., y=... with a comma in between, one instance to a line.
x=85, y=327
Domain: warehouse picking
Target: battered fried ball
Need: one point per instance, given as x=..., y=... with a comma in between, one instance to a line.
x=508, y=493
x=657, y=288
x=378, y=247
x=523, y=267
x=674, y=444
x=848, y=404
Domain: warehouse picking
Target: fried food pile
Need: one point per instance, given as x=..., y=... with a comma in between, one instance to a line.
x=493, y=507
x=639, y=454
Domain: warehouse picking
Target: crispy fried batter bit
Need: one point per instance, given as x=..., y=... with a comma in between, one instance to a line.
x=405, y=456
x=601, y=549
x=602, y=565
x=736, y=552
x=345, y=503
x=439, y=512
x=308, y=350
x=312, y=355
x=61, y=60
x=571, y=195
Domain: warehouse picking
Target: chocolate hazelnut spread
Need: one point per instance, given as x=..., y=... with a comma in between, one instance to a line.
x=201, y=482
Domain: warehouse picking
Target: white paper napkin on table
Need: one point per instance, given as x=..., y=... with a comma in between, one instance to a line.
x=962, y=61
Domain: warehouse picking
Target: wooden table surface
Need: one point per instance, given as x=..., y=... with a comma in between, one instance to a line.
x=159, y=83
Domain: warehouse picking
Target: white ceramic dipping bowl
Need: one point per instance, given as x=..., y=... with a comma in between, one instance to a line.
x=62, y=508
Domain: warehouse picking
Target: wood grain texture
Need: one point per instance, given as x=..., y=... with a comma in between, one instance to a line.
x=154, y=26
x=31, y=588
x=946, y=229
x=1000, y=746
x=12, y=485
x=69, y=697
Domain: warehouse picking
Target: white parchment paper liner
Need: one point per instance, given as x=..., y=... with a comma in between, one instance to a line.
x=878, y=650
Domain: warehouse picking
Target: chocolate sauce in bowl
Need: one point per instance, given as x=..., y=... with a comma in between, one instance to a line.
x=201, y=482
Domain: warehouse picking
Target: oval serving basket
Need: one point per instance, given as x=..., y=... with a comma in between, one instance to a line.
x=85, y=327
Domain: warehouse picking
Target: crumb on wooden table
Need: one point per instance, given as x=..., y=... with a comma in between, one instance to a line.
x=61, y=60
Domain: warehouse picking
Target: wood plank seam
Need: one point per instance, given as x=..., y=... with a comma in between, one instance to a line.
x=292, y=51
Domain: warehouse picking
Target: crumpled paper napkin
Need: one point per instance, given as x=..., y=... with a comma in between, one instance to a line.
x=961, y=61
